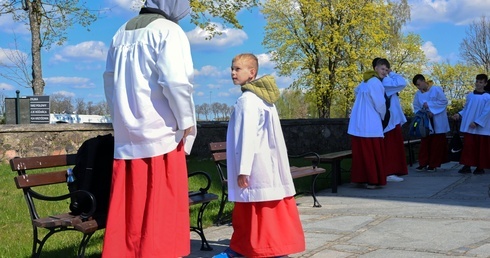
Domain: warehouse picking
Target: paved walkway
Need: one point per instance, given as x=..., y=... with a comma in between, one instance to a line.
x=430, y=214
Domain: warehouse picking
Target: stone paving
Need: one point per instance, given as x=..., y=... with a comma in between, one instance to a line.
x=429, y=214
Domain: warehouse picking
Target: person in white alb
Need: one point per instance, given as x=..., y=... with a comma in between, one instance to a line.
x=475, y=126
x=366, y=128
x=148, y=87
x=265, y=218
x=433, y=148
x=395, y=157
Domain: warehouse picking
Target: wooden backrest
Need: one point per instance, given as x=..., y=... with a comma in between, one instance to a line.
x=55, y=176
x=218, y=153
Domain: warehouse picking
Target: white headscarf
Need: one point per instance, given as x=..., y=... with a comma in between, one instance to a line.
x=174, y=9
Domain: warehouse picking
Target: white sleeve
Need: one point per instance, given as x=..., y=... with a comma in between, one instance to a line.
x=175, y=71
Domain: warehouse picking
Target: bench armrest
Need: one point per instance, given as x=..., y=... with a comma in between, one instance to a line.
x=35, y=195
x=208, y=181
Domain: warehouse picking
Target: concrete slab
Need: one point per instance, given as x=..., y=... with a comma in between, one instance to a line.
x=429, y=214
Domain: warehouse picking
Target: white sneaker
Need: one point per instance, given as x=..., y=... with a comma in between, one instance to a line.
x=394, y=178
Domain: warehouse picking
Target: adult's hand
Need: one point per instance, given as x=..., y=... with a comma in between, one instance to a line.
x=187, y=131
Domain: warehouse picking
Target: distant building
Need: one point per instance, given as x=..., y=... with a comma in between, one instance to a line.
x=78, y=119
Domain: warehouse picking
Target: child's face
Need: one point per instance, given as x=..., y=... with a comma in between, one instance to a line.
x=421, y=85
x=480, y=84
x=241, y=72
x=381, y=70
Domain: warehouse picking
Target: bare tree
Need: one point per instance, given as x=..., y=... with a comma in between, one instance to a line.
x=16, y=68
x=80, y=106
x=205, y=109
x=61, y=104
x=215, y=108
x=475, y=47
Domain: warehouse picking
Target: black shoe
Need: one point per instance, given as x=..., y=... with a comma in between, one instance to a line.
x=465, y=170
x=478, y=171
x=431, y=169
x=420, y=168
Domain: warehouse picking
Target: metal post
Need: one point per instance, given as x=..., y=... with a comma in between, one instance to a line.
x=17, y=107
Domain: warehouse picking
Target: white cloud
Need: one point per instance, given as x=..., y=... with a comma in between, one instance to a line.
x=73, y=82
x=211, y=71
x=265, y=61
x=459, y=12
x=6, y=86
x=229, y=38
x=8, y=25
x=431, y=52
x=128, y=4
x=66, y=80
x=9, y=56
x=64, y=93
x=85, y=51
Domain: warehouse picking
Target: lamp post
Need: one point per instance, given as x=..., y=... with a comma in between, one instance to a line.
x=17, y=107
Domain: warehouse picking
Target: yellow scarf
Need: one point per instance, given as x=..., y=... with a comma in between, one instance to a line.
x=368, y=75
x=265, y=88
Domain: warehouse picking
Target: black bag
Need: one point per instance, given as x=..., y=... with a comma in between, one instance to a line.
x=387, y=116
x=92, y=173
x=455, y=145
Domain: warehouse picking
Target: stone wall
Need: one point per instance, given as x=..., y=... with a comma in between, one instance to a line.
x=302, y=135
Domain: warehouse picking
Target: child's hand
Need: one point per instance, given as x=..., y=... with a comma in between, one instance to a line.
x=473, y=125
x=242, y=181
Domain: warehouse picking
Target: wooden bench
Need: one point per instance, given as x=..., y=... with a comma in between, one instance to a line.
x=218, y=151
x=87, y=223
x=334, y=159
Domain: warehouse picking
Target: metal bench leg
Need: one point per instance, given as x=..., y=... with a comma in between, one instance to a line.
x=83, y=245
x=224, y=197
x=313, y=192
x=335, y=175
x=199, y=230
x=38, y=244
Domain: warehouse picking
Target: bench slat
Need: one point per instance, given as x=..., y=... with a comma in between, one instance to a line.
x=219, y=156
x=329, y=157
x=17, y=164
x=306, y=171
x=201, y=198
x=31, y=180
x=217, y=146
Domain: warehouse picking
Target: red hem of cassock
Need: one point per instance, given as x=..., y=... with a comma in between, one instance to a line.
x=395, y=157
x=149, y=208
x=368, y=164
x=433, y=150
x=267, y=229
x=476, y=150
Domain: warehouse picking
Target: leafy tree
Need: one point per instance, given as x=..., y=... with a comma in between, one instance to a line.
x=456, y=80
x=48, y=22
x=326, y=44
x=293, y=104
x=475, y=47
x=224, y=9
x=406, y=58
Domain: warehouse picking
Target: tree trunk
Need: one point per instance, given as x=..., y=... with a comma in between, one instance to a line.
x=34, y=8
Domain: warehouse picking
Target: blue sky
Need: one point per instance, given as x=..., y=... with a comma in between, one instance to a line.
x=75, y=69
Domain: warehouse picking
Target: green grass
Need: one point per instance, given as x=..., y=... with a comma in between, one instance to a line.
x=15, y=225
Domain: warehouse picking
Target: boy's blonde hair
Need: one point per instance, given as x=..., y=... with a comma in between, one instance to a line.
x=250, y=59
